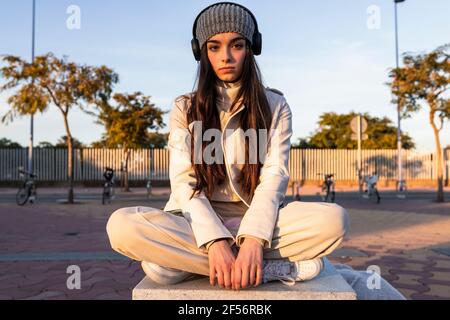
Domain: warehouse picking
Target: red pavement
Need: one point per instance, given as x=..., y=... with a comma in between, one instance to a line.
x=419, y=273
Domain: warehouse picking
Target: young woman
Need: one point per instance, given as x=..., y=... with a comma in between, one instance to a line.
x=226, y=217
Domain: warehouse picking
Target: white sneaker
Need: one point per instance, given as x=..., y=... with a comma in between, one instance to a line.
x=289, y=272
x=164, y=275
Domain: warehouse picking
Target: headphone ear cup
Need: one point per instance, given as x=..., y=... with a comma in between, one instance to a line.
x=196, y=49
x=257, y=44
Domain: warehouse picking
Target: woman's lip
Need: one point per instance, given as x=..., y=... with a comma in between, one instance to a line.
x=227, y=68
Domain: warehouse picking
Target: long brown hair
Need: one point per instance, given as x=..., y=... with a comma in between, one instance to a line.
x=256, y=115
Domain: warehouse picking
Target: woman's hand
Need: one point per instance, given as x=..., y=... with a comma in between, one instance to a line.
x=221, y=262
x=248, y=265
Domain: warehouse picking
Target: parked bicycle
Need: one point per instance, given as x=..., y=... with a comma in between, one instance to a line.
x=108, y=185
x=148, y=186
x=401, y=189
x=27, y=191
x=327, y=192
x=370, y=187
x=296, y=190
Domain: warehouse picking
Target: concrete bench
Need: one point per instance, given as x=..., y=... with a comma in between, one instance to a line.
x=329, y=285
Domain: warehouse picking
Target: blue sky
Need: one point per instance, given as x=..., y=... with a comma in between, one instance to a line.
x=321, y=54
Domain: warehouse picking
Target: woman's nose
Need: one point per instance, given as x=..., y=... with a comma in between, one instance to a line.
x=226, y=55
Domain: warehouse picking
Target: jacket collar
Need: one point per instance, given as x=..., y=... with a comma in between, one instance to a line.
x=226, y=93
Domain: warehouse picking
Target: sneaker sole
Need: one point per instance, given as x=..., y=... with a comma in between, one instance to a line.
x=156, y=276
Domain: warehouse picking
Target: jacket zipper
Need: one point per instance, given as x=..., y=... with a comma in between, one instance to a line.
x=225, y=158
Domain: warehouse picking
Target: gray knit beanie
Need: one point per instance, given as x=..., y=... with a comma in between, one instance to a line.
x=224, y=17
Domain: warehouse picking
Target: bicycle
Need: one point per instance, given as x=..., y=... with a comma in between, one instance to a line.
x=370, y=190
x=148, y=186
x=108, y=185
x=296, y=190
x=401, y=189
x=327, y=191
x=27, y=192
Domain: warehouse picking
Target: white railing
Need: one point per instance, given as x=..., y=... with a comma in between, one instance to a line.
x=50, y=164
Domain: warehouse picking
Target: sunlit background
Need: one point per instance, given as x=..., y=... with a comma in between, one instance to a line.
x=324, y=55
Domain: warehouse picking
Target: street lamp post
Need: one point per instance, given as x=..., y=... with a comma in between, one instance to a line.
x=400, y=183
x=30, y=150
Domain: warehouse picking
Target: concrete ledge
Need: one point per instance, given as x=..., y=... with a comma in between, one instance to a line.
x=329, y=285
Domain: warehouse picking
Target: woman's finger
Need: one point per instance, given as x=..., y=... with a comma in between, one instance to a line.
x=227, y=277
x=252, y=277
x=237, y=278
x=212, y=275
x=219, y=277
x=232, y=276
x=245, y=274
x=259, y=274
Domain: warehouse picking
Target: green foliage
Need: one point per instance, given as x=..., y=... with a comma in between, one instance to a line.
x=6, y=143
x=334, y=132
x=424, y=78
x=128, y=122
x=49, y=79
x=157, y=140
x=62, y=143
x=45, y=144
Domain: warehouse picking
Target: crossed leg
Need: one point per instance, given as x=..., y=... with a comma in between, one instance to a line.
x=303, y=231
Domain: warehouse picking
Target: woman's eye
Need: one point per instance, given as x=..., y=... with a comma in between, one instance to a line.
x=214, y=48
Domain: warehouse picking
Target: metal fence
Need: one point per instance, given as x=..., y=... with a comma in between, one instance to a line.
x=50, y=164
x=305, y=164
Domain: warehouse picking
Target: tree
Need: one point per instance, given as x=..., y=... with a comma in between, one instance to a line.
x=6, y=143
x=157, y=139
x=45, y=144
x=127, y=124
x=99, y=144
x=302, y=143
x=424, y=79
x=334, y=132
x=50, y=80
x=76, y=144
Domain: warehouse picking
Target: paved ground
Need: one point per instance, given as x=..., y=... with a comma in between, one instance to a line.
x=39, y=242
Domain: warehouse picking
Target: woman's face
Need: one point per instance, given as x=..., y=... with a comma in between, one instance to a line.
x=227, y=50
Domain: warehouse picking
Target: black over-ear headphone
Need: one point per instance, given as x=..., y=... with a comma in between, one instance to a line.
x=256, y=41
